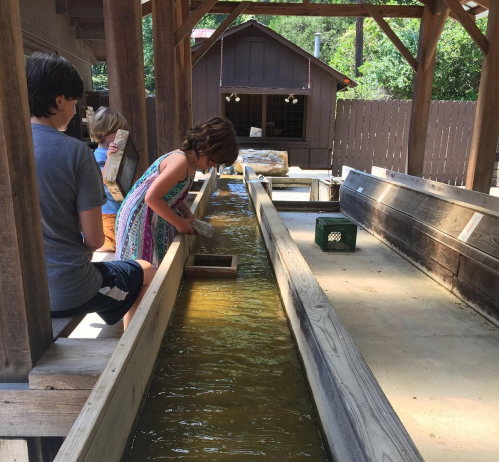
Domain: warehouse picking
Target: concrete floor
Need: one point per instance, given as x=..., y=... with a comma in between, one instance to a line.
x=435, y=358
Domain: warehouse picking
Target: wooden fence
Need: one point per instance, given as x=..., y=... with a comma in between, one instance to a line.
x=375, y=133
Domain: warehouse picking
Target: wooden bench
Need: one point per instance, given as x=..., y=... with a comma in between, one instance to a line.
x=454, y=242
x=62, y=327
x=72, y=364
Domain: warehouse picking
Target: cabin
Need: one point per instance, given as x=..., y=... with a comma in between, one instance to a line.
x=257, y=78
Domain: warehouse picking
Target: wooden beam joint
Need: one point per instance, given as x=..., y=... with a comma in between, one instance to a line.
x=468, y=23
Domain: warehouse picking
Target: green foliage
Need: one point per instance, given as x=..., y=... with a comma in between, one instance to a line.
x=99, y=72
x=385, y=72
x=301, y=30
x=99, y=77
x=148, y=53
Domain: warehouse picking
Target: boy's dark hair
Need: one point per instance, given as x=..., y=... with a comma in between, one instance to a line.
x=49, y=76
x=215, y=138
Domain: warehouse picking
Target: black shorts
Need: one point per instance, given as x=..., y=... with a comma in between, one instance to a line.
x=122, y=282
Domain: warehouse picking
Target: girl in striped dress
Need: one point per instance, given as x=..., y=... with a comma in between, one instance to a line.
x=153, y=211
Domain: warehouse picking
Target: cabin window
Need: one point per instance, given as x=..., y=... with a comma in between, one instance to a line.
x=281, y=119
x=245, y=113
x=285, y=119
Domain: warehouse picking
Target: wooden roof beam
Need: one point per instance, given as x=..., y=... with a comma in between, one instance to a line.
x=193, y=19
x=305, y=9
x=392, y=35
x=438, y=6
x=468, y=23
x=84, y=12
x=61, y=6
x=484, y=3
x=207, y=44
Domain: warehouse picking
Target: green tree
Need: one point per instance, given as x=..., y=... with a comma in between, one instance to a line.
x=148, y=53
x=99, y=77
x=385, y=72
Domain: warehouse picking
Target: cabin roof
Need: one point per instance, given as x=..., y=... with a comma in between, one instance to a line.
x=267, y=30
x=202, y=33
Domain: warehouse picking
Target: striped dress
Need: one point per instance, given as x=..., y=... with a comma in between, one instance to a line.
x=141, y=233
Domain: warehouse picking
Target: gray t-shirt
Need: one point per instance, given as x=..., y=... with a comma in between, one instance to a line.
x=69, y=182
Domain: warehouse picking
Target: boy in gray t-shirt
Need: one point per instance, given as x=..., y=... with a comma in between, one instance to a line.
x=71, y=195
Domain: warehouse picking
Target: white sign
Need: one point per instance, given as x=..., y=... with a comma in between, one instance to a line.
x=470, y=227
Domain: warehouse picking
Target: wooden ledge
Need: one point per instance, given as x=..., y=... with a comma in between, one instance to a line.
x=72, y=364
x=358, y=421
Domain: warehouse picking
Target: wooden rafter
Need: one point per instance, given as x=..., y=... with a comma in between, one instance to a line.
x=61, y=6
x=307, y=9
x=472, y=29
x=84, y=12
x=484, y=3
x=391, y=35
x=439, y=5
x=432, y=48
x=207, y=44
x=193, y=19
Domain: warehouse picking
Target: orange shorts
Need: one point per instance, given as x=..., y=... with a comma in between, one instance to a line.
x=108, y=223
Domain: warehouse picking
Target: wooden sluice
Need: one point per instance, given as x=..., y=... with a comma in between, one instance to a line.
x=356, y=418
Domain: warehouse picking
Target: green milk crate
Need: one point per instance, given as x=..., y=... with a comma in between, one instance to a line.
x=335, y=234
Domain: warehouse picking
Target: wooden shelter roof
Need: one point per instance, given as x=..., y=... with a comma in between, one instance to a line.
x=342, y=79
x=88, y=15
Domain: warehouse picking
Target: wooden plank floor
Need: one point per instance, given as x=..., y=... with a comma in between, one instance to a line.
x=435, y=358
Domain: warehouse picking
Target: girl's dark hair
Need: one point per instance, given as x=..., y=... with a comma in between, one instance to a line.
x=49, y=76
x=215, y=138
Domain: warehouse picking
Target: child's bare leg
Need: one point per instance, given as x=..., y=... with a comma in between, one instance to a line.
x=149, y=272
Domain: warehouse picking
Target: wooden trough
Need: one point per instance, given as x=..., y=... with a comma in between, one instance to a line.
x=357, y=420
x=439, y=228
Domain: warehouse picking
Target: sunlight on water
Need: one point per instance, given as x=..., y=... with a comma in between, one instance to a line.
x=228, y=384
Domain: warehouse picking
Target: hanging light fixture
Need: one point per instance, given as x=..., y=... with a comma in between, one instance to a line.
x=291, y=98
x=227, y=98
x=237, y=99
x=295, y=100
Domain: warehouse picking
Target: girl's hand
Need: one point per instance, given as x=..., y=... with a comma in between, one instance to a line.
x=184, y=226
x=113, y=147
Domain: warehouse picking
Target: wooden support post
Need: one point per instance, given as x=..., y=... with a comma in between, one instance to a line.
x=163, y=18
x=125, y=63
x=25, y=327
x=314, y=189
x=183, y=76
x=423, y=84
x=486, y=125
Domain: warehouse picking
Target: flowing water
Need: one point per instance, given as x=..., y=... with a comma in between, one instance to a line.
x=228, y=384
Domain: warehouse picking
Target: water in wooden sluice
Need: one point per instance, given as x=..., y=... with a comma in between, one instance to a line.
x=228, y=384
